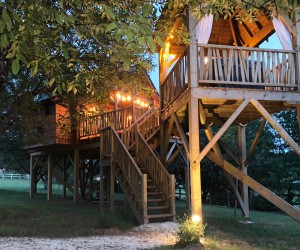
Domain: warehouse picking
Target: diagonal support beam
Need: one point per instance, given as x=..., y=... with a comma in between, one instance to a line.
x=165, y=136
x=222, y=130
x=255, y=141
x=257, y=187
x=285, y=136
x=209, y=134
x=177, y=151
x=182, y=134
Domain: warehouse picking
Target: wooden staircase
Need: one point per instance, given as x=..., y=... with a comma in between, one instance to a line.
x=147, y=185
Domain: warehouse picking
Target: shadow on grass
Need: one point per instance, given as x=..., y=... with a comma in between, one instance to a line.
x=22, y=216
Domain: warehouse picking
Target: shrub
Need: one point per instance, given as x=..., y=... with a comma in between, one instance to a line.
x=189, y=231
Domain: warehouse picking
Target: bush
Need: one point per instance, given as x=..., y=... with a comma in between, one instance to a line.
x=189, y=231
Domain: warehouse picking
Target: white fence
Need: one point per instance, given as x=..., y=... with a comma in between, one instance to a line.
x=15, y=176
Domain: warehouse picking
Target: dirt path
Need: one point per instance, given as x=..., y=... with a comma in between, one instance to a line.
x=141, y=237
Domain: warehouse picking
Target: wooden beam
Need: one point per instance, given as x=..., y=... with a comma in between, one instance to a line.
x=257, y=187
x=172, y=158
x=165, y=134
x=50, y=175
x=75, y=174
x=216, y=149
x=298, y=119
x=170, y=151
x=64, y=183
x=285, y=136
x=32, y=177
x=235, y=94
x=64, y=179
x=182, y=134
x=222, y=130
x=229, y=152
x=176, y=105
x=242, y=159
x=255, y=140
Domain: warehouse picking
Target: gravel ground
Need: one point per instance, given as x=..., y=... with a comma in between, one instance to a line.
x=141, y=237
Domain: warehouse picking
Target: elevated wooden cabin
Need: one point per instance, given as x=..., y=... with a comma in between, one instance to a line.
x=226, y=80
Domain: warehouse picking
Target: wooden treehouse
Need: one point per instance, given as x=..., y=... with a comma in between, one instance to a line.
x=221, y=79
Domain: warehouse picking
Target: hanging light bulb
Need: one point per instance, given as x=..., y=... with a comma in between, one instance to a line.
x=118, y=95
x=124, y=98
x=128, y=98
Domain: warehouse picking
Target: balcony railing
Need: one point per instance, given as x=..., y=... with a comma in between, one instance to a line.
x=239, y=67
x=118, y=119
x=175, y=83
x=234, y=67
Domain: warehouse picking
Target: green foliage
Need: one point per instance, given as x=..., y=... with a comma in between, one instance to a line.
x=189, y=231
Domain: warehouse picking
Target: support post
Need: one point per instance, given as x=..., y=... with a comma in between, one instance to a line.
x=297, y=23
x=64, y=170
x=75, y=174
x=195, y=173
x=194, y=141
x=50, y=175
x=111, y=188
x=298, y=119
x=32, y=177
x=242, y=160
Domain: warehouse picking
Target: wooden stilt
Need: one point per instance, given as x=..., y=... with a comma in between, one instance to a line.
x=64, y=171
x=195, y=173
x=298, y=119
x=111, y=188
x=75, y=174
x=242, y=159
x=50, y=175
x=32, y=178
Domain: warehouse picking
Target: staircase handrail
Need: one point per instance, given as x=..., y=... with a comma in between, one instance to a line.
x=161, y=177
x=128, y=134
x=148, y=127
x=128, y=166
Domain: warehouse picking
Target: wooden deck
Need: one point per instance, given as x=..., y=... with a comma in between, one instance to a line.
x=227, y=75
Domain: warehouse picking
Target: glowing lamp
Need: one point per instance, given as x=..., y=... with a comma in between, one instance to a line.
x=138, y=101
x=124, y=98
x=205, y=60
x=146, y=105
x=142, y=104
x=129, y=117
x=196, y=218
x=118, y=95
x=171, y=36
x=128, y=98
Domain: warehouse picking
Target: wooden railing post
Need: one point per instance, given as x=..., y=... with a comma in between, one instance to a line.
x=144, y=199
x=172, y=194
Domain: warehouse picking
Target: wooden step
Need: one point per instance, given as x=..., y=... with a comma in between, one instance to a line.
x=155, y=200
x=154, y=193
x=157, y=207
x=153, y=216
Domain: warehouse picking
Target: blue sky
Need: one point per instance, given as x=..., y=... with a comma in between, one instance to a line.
x=272, y=43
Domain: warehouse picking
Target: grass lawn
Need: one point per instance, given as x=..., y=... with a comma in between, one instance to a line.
x=21, y=216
